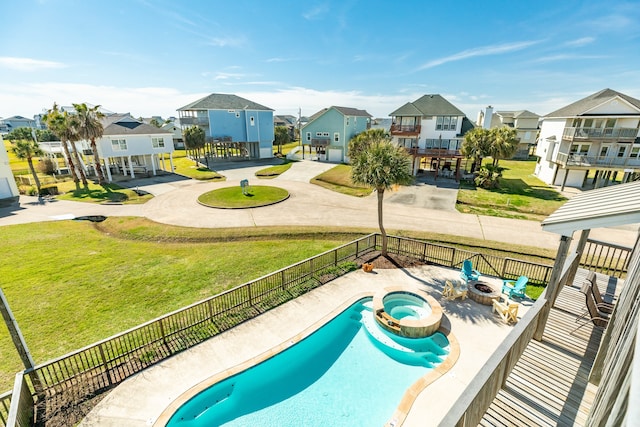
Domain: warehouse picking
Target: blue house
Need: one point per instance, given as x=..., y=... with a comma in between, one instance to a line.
x=329, y=130
x=234, y=127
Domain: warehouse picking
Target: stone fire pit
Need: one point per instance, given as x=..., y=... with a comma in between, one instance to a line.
x=482, y=292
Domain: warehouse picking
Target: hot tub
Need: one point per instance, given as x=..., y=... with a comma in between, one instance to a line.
x=408, y=313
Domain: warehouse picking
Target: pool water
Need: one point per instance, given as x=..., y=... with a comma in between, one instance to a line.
x=348, y=373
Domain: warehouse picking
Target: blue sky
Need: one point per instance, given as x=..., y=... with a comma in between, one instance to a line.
x=150, y=57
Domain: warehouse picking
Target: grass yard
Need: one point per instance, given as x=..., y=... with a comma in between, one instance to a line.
x=100, y=193
x=338, y=179
x=521, y=195
x=286, y=148
x=274, y=171
x=189, y=168
x=70, y=284
x=235, y=198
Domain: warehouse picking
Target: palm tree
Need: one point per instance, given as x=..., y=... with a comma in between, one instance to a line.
x=90, y=128
x=27, y=149
x=477, y=144
x=381, y=165
x=504, y=144
x=364, y=139
x=61, y=126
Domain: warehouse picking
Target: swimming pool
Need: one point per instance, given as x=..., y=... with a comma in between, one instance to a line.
x=349, y=372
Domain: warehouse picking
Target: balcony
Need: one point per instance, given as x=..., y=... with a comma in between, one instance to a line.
x=606, y=134
x=585, y=161
x=405, y=130
x=200, y=121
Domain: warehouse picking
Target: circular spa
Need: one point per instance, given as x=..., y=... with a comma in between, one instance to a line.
x=407, y=313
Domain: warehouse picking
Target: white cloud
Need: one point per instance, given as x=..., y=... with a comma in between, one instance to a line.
x=580, y=42
x=316, y=13
x=227, y=41
x=28, y=64
x=567, y=57
x=479, y=51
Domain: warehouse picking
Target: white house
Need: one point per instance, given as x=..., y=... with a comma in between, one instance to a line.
x=590, y=142
x=8, y=186
x=129, y=146
x=523, y=121
x=432, y=129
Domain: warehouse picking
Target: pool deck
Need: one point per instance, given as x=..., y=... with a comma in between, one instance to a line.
x=142, y=399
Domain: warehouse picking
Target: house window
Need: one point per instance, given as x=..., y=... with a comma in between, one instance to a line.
x=621, y=151
x=336, y=137
x=347, y=121
x=635, y=152
x=157, y=142
x=308, y=136
x=231, y=111
x=446, y=122
x=118, y=144
x=582, y=149
x=252, y=121
x=604, y=151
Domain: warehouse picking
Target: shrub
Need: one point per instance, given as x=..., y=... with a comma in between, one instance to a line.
x=32, y=191
x=489, y=177
x=49, y=190
x=47, y=166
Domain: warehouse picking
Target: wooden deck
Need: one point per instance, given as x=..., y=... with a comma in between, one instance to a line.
x=548, y=386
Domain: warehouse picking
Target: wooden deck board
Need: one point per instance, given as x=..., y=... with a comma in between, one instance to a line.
x=548, y=386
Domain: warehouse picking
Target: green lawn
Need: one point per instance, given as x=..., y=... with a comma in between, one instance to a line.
x=99, y=193
x=235, y=198
x=338, y=179
x=70, y=284
x=274, y=171
x=187, y=167
x=286, y=148
x=521, y=195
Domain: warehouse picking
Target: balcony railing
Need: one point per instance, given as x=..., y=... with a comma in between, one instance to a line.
x=609, y=134
x=584, y=160
x=405, y=129
x=200, y=121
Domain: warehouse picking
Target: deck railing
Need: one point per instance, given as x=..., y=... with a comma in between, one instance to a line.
x=606, y=258
x=82, y=374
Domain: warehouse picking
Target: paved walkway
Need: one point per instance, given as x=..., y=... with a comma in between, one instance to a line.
x=420, y=208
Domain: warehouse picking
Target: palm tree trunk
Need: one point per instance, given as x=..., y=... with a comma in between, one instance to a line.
x=72, y=167
x=96, y=159
x=380, y=192
x=33, y=172
x=83, y=177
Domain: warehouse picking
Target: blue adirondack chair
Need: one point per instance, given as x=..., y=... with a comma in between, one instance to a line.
x=468, y=273
x=515, y=288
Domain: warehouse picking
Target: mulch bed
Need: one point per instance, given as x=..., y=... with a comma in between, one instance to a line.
x=390, y=261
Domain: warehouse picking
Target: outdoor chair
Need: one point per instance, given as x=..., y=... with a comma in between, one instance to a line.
x=591, y=313
x=507, y=309
x=515, y=288
x=452, y=291
x=468, y=272
x=603, y=306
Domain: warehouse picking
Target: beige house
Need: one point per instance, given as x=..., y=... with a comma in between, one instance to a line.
x=523, y=121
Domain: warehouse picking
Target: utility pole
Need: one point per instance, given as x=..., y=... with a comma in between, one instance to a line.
x=299, y=132
x=14, y=331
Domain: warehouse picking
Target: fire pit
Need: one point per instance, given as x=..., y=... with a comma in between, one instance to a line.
x=482, y=292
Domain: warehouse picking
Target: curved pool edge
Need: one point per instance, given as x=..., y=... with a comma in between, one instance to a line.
x=399, y=415
x=168, y=412
x=410, y=396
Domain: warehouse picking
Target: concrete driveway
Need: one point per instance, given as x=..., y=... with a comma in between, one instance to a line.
x=428, y=193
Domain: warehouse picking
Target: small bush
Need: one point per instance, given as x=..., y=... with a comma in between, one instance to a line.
x=32, y=191
x=489, y=177
x=50, y=190
x=46, y=166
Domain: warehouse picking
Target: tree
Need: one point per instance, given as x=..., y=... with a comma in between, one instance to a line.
x=282, y=137
x=61, y=125
x=504, y=143
x=26, y=149
x=365, y=139
x=21, y=133
x=477, y=145
x=155, y=122
x=381, y=165
x=194, y=138
x=90, y=128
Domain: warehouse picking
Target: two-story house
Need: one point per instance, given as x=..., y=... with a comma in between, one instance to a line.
x=523, y=121
x=592, y=142
x=329, y=131
x=129, y=146
x=432, y=129
x=15, y=122
x=234, y=126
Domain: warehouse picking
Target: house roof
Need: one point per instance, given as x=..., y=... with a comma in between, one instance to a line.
x=124, y=124
x=584, y=105
x=222, y=101
x=348, y=111
x=428, y=106
x=520, y=114
x=602, y=207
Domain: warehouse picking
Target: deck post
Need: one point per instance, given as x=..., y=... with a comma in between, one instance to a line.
x=582, y=242
x=553, y=286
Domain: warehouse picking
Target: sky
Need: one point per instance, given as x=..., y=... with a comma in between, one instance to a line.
x=151, y=57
